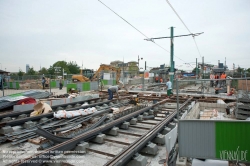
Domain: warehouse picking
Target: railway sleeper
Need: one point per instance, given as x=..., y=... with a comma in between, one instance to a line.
x=159, y=139
x=114, y=131
x=82, y=147
x=100, y=139
x=125, y=125
x=138, y=160
x=6, y=130
x=150, y=148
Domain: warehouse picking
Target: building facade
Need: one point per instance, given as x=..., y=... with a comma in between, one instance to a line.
x=27, y=68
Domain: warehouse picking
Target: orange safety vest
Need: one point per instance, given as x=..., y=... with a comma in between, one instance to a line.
x=223, y=76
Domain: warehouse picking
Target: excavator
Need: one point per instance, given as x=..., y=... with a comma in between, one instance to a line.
x=88, y=74
x=104, y=67
x=84, y=76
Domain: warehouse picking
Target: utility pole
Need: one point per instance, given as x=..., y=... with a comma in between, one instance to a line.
x=196, y=70
x=145, y=65
x=123, y=71
x=138, y=65
x=172, y=47
x=172, y=54
x=202, y=67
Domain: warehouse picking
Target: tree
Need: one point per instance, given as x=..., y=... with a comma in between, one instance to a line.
x=248, y=70
x=59, y=66
x=51, y=70
x=133, y=68
x=239, y=69
x=43, y=71
x=31, y=71
x=20, y=73
x=73, y=68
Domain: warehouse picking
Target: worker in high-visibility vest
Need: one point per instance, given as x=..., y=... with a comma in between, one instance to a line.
x=223, y=76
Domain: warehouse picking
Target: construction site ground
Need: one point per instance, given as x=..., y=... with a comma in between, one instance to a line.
x=154, y=161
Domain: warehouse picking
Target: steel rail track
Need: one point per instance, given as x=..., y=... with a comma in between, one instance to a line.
x=48, y=115
x=57, y=123
x=16, y=113
x=39, y=158
x=124, y=157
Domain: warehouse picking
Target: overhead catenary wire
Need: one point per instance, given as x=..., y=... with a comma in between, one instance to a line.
x=132, y=25
x=184, y=25
x=138, y=29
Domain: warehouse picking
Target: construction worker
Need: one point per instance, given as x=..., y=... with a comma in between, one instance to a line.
x=43, y=82
x=169, y=87
x=156, y=79
x=223, y=76
x=212, y=77
x=113, y=89
x=161, y=80
x=216, y=77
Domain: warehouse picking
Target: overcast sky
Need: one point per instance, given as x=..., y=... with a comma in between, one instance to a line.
x=42, y=32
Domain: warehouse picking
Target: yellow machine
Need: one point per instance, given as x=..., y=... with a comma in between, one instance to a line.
x=89, y=75
x=80, y=78
x=107, y=68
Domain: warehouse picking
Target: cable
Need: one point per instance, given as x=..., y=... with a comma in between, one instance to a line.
x=178, y=16
x=184, y=25
x=132, y=26
x=196, y=46
x=139, y=30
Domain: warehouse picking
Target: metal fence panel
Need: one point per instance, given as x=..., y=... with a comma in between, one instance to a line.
x=197, y=139
x=79, y=87
x=94, y=85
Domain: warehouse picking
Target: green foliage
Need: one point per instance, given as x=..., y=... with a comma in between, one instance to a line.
x=73, y=68
x=248, y=70
x=239, y=69
x=43, y=71
x=68, y=67
x=20, y=73
x=31, y=71
x=133, y=68
x=51, y=70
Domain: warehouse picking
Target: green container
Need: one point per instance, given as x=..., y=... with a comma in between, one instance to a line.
x=105, y=82
x=114, y=82
x=233, y=141
x=17, y=85
x=86, y=86
x=53, y=84
x=11, y=85
x=71, y=86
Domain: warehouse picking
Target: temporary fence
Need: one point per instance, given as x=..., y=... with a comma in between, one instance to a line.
x=87, y=86
x=217, y=126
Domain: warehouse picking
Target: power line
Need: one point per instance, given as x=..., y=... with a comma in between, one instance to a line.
x=138, y=29
x=178, y=15
x=184, y=25
x=196, y=46
x=131, y=25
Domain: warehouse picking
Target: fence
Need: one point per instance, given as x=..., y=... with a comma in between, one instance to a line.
x=11, y=85
x=216, y=127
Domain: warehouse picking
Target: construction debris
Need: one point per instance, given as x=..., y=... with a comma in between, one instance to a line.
x=41, y=108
